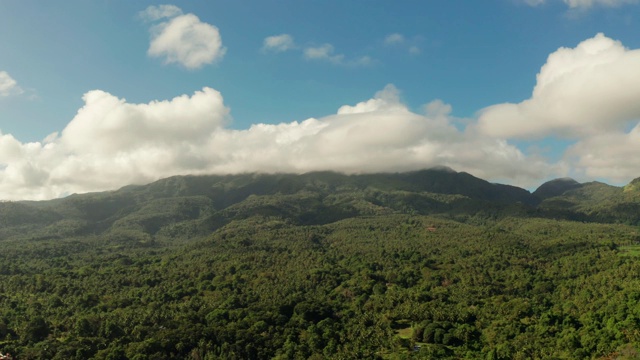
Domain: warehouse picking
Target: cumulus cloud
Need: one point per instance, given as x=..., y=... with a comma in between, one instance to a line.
x=278, y=43
x=386, y=99
x=589, y=3
x=380, y=134
x=154, y=13
x=109, y=125
x=612, y=156
x=182, y=38
x=111, y=142
x=588, y=94
x=394, y=38
x=580, y=91
x=586, y=4
x=8, y=86
x=399, y=41
x=325, y=52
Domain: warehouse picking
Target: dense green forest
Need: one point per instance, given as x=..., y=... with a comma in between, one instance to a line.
x=422, y=265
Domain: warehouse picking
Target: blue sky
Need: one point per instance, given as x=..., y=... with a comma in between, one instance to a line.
x=87, y=104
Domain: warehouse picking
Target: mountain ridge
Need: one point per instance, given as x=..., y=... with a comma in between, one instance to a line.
x=200, y=204
x=556, y=187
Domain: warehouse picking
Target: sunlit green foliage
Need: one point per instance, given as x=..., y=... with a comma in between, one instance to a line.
x=285, y=267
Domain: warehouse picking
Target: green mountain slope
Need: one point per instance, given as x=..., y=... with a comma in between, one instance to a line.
x=198, y=205
x=597, y=202
x=420, y=265
x=555, y=187
x=201, y=204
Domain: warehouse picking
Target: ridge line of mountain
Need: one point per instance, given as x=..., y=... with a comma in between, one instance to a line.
x=200, y=204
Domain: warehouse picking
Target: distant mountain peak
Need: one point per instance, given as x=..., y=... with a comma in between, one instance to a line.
x=565, y=180
x=442, y=168
x=556, y=187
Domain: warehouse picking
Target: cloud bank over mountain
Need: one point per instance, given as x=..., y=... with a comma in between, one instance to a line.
x=586, y=94
x=112, y=143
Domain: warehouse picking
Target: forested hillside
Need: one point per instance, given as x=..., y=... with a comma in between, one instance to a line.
x=422, y=265
x=201, y=204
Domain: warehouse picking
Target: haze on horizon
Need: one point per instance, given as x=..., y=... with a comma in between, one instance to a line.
x=135, y=92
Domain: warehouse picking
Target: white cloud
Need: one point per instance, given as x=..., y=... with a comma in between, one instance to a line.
x=388, y=99
x=588, y=94
x=534, y=2
x=8, y=86
x=154, y=13
x=111, y=143
x=580, y=91
x=182, y=38
x=437, y=108
x=361, y=61
x=278, y=43
x=590, y=3
x=393, y=39
x=586, y=4
x=399, y=41
x=379, y=134
x=612, y=155
x=325, y=52
x=108, y=125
